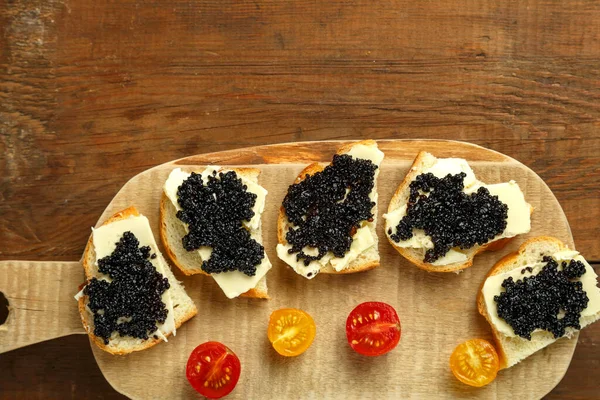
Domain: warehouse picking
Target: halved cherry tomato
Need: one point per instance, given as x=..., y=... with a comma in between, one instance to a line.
x=291, y=331
x=213, y=370
x=373, y=328
x=475, y=362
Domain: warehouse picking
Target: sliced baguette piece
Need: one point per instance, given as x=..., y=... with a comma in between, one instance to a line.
x=512, y=350
x=184, y=307
x=415, y=256
x=172, y=230
x=367, y=260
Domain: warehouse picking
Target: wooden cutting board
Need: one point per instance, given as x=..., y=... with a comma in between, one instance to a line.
x=437, y=311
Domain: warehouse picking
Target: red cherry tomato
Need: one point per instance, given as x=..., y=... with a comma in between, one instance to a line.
x=373, y=328
x=213, y=370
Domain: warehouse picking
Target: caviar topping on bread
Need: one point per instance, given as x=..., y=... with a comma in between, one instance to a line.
x=441, y=216
x=210, y=223
x=131, y=300
x=328, y=217
x=535, y=296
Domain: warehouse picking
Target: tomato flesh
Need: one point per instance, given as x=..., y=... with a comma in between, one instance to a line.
x=373, y=328
x=475, y=362
x=291, y=331
x=213, y=370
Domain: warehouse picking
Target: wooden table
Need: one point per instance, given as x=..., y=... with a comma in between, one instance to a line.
x=94, y=91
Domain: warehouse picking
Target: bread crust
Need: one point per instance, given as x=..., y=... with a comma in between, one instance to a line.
x=282, y=221
x=86, y=317
x=497, y=269
x=255, y=294
x=89, y=248
x=165, y=203
x=410, y=255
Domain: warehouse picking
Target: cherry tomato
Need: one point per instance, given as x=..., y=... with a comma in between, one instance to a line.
x=213, y=370
x=291, y=331
x=373, y=328
x=475, y=362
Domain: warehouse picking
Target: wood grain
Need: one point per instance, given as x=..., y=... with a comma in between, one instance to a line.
x=94, y=91
x=40, y=302
x=418, y=296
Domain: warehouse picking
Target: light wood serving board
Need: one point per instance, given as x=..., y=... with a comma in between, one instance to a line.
x=437, y=311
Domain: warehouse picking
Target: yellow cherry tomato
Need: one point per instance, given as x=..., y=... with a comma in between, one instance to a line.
x=291, y=331
x=475, y=362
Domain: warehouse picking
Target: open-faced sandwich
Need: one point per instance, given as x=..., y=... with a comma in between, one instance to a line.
x=534, y=296
x=210, y=223
x=441, y=216
x=328, y=217
x=131, y=300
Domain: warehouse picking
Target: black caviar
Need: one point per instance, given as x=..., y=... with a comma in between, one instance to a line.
x=574, y=269
x=131, y=303
x=214, y=211
x=534, y=302
x=449, y=216
x=323, y=214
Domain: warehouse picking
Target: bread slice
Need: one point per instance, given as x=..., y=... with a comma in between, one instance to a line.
x=367, y=260
x=190, y=262
x=512, y=350
x=183, y=306
x=415, y=256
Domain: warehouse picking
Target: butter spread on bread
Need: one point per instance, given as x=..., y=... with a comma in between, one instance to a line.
x=493, y=287
x=332, y=254
x=105, y=240
x=361, y=241
x=542, y=298
x=131, y=300
x=233, y=282
x=483, y=208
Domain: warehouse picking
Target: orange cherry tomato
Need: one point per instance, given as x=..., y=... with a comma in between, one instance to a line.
x=213, y=370
x=291, y=331
x=475, y=362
